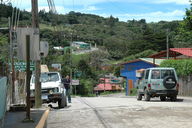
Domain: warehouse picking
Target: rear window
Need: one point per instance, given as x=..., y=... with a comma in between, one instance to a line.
x=155, y=74
x=165, y=73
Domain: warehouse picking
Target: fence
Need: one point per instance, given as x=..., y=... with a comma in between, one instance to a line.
x=185, y=86
x=3, y=97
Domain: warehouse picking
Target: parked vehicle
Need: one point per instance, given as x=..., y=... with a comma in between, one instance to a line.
x=51, y=87
x=158, y=82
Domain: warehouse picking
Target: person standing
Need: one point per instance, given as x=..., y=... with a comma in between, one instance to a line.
x=67, y=84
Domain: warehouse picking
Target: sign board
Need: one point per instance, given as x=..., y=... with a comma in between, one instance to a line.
x=34, y=43
x=56, y=66
x=44, y=68
x=44, y=48
x=75, y=82
x=21, y=66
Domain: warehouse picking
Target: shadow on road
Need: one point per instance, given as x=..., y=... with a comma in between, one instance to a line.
x=167, y=100
x=57, y=108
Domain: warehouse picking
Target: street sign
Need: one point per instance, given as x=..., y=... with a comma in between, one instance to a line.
x=21, y=66
x=75, y=82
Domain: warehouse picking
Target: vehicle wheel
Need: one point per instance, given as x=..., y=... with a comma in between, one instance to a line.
x=173, y=98
x=139, y=96
x=146, y=96
x=61, y=102
x=162, y=98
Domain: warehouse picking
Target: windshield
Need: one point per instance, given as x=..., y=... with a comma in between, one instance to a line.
x=47, y=77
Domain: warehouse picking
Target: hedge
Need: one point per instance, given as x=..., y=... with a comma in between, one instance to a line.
x=183, y=67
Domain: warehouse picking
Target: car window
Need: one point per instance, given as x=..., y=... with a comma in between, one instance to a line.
x=47, y=77
x=155, y=74
x=165, y=73
x=146, y=74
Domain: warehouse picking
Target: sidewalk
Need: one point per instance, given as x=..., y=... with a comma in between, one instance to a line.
x=14, y=119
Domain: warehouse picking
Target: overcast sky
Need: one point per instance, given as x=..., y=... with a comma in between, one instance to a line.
x=151, y=10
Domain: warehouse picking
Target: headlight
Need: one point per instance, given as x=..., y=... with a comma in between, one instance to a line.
x=51, y=92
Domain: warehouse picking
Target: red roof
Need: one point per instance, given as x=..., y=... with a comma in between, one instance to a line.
x=173, y=52
x=183, y=51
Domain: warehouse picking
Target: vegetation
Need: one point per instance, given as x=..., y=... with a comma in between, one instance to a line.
x=182, y=67
x=119, y=41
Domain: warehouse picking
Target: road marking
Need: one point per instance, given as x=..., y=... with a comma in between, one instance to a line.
x=42, y=122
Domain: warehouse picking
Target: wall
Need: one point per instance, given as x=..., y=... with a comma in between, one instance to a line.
x=3, y=95
x=185, y=86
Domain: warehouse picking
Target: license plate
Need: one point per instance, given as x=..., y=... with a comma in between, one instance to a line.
x=44, y=97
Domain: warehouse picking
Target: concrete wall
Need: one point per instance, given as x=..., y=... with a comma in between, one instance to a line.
x=3, y=95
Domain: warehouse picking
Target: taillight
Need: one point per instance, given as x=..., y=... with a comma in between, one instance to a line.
x=177, y=87
x=149, y=86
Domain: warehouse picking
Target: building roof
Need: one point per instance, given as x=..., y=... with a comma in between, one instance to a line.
x=147, y=60
x=79, y=43
x=173, y=52
x=183, y=51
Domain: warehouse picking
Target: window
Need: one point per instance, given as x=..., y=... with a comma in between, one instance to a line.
x=146, y=74
x=155, y=74
x=165, y=73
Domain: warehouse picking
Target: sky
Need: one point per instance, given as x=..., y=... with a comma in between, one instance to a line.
x=151, y=10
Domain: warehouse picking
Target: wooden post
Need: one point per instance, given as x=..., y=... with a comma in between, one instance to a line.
x=28, y=76
x=35, y=24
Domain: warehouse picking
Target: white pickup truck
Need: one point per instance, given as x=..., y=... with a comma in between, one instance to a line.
x=51, y=87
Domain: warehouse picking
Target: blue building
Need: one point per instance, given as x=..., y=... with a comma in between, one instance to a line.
x=130, y=68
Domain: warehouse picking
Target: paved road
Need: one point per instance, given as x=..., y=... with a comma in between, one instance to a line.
x=122, y=112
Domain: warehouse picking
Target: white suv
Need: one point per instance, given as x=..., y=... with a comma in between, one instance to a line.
x=158, y=82
x=51, y=87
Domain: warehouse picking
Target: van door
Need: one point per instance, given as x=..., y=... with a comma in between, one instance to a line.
x=146, y=78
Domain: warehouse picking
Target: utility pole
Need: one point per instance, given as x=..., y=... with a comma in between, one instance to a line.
x=167, y=44
x=28, y=117
x=12, y=61
x=35, y=24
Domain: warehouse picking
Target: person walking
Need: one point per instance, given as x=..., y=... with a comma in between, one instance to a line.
x=67, y=84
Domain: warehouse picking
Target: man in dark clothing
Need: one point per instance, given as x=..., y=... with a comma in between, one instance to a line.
x=67, y=84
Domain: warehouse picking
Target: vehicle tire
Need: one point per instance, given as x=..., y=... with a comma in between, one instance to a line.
x=61, y=102
x=169, y=82
x=162, y=98
x=173, y=98
x=139, y=96
x=146, y=95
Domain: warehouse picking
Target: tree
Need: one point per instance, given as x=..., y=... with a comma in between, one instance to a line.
x=184, y=33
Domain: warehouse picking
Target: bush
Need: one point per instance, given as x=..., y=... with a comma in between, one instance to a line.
x=182, y=67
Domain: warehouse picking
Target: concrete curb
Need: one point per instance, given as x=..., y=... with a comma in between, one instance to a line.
x=42, y=122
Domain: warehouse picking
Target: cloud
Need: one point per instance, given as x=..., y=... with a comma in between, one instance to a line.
x=91, y=8
x=154, y=16
x=184, y=2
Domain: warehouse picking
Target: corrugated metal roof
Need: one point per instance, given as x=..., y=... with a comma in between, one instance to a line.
x=150, y=60
x=183, y=51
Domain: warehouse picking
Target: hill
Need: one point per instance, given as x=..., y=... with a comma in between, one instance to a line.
x=120, y=39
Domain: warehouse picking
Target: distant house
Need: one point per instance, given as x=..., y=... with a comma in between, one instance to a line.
x=130, y=68
x=81, y=45
x=109, y=84
x=59, y=48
